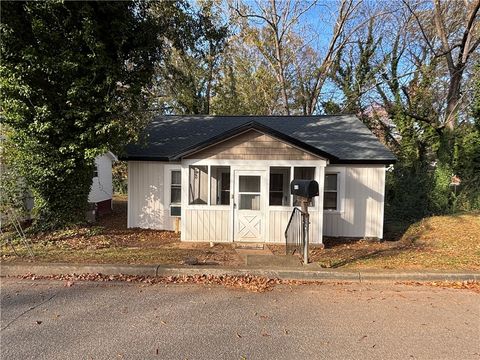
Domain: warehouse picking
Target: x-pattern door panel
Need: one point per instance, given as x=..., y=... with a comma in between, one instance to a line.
x=249, y=223
x=250, y=227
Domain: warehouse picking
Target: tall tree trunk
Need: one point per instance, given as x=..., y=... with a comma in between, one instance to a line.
x=279, y=56
x=453, y=98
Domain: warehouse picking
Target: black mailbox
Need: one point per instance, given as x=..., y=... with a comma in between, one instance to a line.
x=304, y=188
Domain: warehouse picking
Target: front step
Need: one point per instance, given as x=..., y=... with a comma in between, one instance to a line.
x=249, y=246
x=273, y=261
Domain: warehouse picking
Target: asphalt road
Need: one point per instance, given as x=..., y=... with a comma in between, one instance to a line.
x=47, y=320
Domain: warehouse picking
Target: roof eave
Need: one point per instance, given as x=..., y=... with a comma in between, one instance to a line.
x=364, y=161
x=143, y=158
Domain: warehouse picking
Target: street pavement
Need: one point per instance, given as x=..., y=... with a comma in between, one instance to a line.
x=88, y=320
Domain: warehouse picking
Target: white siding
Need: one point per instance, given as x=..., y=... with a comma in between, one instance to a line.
x=361, y=213
x=207, y=225
x=102, y=188
x=146, y=196
x=278, y=220
x=215, y=223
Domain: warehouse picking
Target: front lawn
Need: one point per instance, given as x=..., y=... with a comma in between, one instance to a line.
x=435, y=243
x=109, y=241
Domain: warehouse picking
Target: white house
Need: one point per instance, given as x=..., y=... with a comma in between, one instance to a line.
x=227, y=177
x=102, y=189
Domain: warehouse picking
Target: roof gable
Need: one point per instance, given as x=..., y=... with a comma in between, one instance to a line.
x=251, y=144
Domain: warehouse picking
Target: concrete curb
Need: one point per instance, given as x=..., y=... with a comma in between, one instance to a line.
x=282, y=273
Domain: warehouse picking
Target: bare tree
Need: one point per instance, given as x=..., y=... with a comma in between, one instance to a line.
x=456, y=25
x=280, y=18
x=346, y=10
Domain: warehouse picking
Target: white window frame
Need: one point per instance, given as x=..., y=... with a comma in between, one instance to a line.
x=340, y=172
x=168, y=188
x=290, y=196
x=209, y=203
x=315, y=176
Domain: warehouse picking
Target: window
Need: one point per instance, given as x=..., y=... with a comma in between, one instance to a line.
x=175, y=192
x=176, y=187
x=330, y=195
x=95, y=171
x=175, y=211
x=303, y=173
x=279, y=194
x=220, y=185
x=249, y=192
x=198, y=185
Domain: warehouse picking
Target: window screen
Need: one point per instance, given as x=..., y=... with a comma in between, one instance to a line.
x=279, y=192
x=198, y=184
x=303, y=173
x=220, y=185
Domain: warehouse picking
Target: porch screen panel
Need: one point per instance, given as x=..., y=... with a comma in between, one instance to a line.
x=220, y=185
x=279, y=193
x=303, y=173
x=198, y=185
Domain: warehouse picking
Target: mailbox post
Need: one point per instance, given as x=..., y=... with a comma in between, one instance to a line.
x=305, y=190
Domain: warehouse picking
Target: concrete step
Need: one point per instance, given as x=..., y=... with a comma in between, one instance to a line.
x=252, y=246
x=269, y=261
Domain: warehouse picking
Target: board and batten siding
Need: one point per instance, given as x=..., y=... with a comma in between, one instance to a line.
x=207, y=225
x=278, y=221
x=361, y=214
x=253, y=145
x=255, y=151
x=147, y=208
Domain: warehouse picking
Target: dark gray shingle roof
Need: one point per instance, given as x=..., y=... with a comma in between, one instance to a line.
x=341, y=138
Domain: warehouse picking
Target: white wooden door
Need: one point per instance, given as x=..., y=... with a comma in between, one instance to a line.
x=249, y=206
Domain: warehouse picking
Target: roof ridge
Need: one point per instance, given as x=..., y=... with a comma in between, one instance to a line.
x=255, y=116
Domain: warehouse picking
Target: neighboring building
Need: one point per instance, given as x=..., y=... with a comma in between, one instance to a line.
x=227, y=177
x=102, y=189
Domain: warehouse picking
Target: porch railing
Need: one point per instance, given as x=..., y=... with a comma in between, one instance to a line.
x=295, y=233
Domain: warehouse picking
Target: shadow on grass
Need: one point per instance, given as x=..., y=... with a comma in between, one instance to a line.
x=371, y=255
x=340, y=252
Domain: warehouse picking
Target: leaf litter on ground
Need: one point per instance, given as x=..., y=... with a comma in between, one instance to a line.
x=246, y=282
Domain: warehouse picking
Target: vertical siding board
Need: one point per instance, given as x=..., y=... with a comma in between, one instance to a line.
x=275, y=226
x=212, y=230
x=363, y=204
x=201, y=225
x=215, y=222
x=186, y=221
x=225, y=225
x=218, y=225
x=146, y=195
x=136, y=194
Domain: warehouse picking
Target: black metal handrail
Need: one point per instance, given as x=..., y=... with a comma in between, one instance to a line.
x=294, y=233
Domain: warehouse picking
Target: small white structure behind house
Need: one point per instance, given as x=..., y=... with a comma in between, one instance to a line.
x=228, y=178
x=102, y=189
